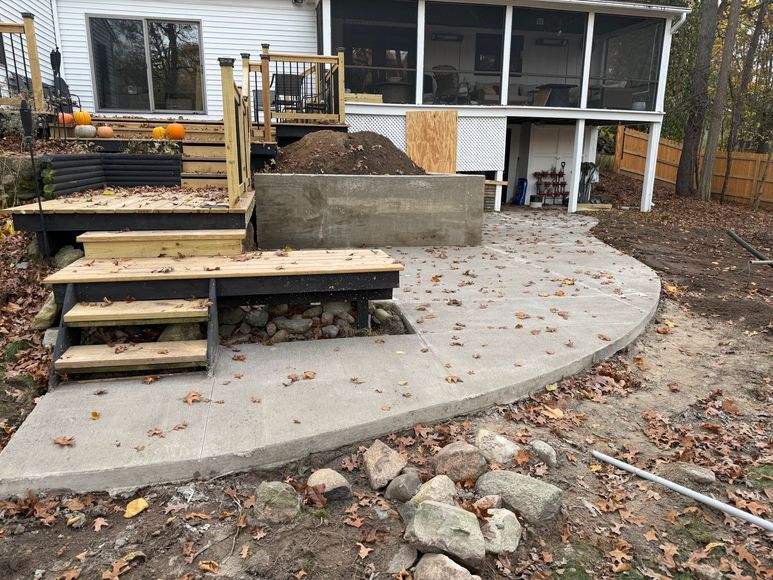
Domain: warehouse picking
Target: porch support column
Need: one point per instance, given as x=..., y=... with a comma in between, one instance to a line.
x=650, y=166
x=327, y=28
x=663, y=72
x=420, y=26
x=585, y=84
x=574, y=185
x=591, y=143
x=500, y=175
x=505, y=84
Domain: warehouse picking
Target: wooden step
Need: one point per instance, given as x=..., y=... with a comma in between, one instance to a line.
x=155, y=243
x=206, y=151
x=204, y=165
x=203, y=180
x=142, y=356
x=137, y=312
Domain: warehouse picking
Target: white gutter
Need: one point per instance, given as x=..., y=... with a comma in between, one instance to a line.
x=678, y=24
x=599, y=5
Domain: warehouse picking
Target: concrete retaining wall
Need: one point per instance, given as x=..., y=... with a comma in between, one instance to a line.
x=337, y=211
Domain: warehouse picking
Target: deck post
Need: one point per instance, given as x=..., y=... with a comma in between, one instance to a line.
x=650, y=166
x=246, y=89
x=574, y=186
x=32, y=51
x=265, y=82
x=341, y=87
x=229, y=123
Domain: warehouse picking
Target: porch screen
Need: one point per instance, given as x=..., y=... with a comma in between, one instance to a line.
x=146, y=65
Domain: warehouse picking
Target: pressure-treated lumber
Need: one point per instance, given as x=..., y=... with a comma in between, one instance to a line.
x=155, y=243
x=121, y=313
x=431, y=140
x=101, y=358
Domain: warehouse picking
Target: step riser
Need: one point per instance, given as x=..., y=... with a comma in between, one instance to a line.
x=154, y=249
x=138, y=357
x=203, y=183
x=192, y=166
x=198, y=151
x=136, y=321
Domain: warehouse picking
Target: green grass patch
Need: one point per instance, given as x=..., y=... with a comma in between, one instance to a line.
x=579, y=560
x=761, y=476
x=16, y=347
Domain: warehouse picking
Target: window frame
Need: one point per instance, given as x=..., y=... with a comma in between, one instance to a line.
x=151, y=97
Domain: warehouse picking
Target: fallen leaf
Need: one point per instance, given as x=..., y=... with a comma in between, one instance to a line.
x=209, y=566
x=245, y=552
x=669, y=551
x=364, y=551
x=552, y=413
x=135, y=507
x=100, y=523
x=193, y=397
x=65, y=441
x=308, y=375
x=95, y=415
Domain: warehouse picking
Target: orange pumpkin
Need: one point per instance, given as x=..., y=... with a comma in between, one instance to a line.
x=65, y=119
x=175, y=131
x=159, y=133
x=82, y=118
x=105, y=132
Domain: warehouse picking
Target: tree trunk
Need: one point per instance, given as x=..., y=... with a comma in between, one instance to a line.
x=699, y=83
x=761, y=187
x=739, y=100
x=718, y=107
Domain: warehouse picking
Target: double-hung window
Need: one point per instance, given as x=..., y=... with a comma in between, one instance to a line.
x=146, y=65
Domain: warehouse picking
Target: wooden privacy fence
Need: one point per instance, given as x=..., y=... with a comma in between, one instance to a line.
x=746, y=169
x=19, y=64
x=236, y=124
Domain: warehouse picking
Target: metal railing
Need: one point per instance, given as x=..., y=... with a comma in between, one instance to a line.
x=237, y=126
x=20, y=76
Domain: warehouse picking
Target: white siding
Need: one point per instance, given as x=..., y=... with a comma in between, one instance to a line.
x=10, y=11
x=228, y=28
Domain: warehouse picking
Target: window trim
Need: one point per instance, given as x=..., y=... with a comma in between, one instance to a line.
x=151, y=98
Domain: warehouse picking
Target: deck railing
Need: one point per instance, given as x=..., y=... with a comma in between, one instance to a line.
x=295, y=88
x=19, y=64
x=237, y=126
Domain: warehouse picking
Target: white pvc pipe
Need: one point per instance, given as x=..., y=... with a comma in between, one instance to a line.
x=709, y=501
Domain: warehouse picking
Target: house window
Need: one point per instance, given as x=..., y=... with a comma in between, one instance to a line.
x=146, y=65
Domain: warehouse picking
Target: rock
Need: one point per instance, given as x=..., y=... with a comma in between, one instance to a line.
x=544, y=452
x=537, y=501
x=178, y=332
x=278, y=309
x=406, y=511
x=489, y=501
x=33, y=250
x=271, y=329
x=50, y=336
x=227, y=330
x=47, y=315
x=232, y=316
x=22, y=265
x=336, y=485
x=495, y=448
x=280, y=336
x=403, y=487
x=706, y=572
x=296, y=326
x=440, y=567
x=245, y=329
x=382, y=464
x=403, y=559
x=313, y=312
x=346, y=317
x=256, y=318
x=336, y=308
x=330, y=331
x=441, y=528
x=66, y=256
x=501, y=532
x=327, y=318
x=276, y=502
x=380, y=315
x=460, y=461
x=345, y=329
x=694, y=473
x=440, y=489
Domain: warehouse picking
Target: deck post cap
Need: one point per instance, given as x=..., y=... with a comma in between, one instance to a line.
x=28, y=15
x=225, y=61
x=245, y=55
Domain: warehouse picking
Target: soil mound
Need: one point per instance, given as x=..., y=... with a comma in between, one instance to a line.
x=333, y=152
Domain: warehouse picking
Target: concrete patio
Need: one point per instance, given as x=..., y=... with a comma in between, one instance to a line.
x=539, y=300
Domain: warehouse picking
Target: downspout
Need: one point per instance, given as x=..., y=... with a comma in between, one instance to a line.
x=57, y=32
x=678, y=24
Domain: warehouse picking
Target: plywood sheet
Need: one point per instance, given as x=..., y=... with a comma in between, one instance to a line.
x=431, y=138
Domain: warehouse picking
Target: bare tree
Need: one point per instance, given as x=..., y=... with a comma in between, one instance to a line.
x=699, y=84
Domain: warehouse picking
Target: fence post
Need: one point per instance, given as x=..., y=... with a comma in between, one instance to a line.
x=619, y=140
x=32, y=51
x=265, y=59
x=341, y=87
x=755, y=178
x=229, y=126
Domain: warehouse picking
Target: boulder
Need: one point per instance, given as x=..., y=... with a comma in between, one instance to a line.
x=49, y=337
x=48, y=314
x=684, y=472
x=330, y=331
x=183, y=331
x=226, y=330
x=66, y=256
x=346, y=317
x=539, y=502
x=544, y=452
x=496, y=448
x=380, y=315
x=501, y=532
x=231, y=316
x=276, y=502
x=440, y=567
x=440, y=489
x=257, y=318
x=336, y=485
x=460, y=461
x=441, y=528
x=280, y=336
x=489, y=501
x=403, y=559
x=271, y=329
x=382, y=464
x=294, y=325
x=327, y=318
x=403, y=487
x=313, y=312
x=336, y=308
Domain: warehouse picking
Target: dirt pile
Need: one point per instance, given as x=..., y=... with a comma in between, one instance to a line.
x=332, y=152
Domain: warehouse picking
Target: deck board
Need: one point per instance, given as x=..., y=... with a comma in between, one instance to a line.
x=95, y=358
x=139, y=311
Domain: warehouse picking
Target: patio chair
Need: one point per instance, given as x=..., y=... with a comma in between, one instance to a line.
x=448, y=88
x=288, y=91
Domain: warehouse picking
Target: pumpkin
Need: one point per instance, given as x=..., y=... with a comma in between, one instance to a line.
x=159, y=132
x=65, y=119
x=105, y=132
x=85, y=131
x=82, y=118
x=175, y=131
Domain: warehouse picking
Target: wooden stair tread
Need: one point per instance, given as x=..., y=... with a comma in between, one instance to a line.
x=203, y=175
x=162, y=235
x=96, y=358
x=254, y=264
x=120, y=312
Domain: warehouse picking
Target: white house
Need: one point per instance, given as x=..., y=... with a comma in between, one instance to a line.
x=532, y=80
